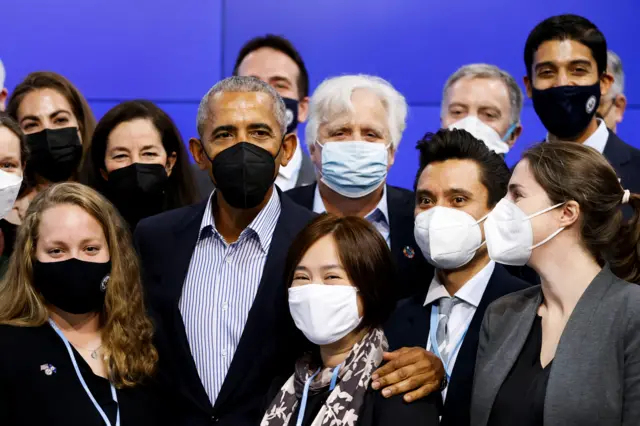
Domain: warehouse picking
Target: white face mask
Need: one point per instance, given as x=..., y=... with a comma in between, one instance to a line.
x=324, y=313
x=509, y=233
x=485, y=133
x=448, y=238
x=9, y=188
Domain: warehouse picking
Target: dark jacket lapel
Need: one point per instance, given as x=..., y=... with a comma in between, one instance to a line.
x=616, y=151
x=307, y=174
x=303, y=195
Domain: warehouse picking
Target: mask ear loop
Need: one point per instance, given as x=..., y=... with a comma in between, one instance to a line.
x=482, y=219
x=509, y=132
x=546, y=240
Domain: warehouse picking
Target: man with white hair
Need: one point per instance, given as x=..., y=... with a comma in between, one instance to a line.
x=614, y=103
x=213, y=271
x=485, y=101
x=354, y=127
x=3, y=90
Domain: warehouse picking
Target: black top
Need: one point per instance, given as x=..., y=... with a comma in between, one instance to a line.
x=29, y=396
x=376, y=410
x=520, y=400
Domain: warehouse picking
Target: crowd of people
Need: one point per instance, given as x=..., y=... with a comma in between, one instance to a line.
x=262, y=286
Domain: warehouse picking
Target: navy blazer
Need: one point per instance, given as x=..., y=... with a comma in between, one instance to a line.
x=414, y=272
x=625, y=159
x=270, y=342
x=409, y=327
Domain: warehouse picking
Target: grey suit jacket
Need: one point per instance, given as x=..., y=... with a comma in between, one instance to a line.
x=595, y=375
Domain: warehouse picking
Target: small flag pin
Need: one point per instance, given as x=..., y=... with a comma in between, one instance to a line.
x=48, y=369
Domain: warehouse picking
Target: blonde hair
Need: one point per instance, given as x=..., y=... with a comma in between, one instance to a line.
x=127, y=331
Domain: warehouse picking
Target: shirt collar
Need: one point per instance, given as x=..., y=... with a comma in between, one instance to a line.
x=471, y=292
x=598, y=140
x=262, y=226
x=382, y=207
x=294, y=165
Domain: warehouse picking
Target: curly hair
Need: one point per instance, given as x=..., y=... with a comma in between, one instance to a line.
x=127, y=331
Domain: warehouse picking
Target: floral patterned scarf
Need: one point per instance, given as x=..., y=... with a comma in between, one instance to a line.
x=344, y=403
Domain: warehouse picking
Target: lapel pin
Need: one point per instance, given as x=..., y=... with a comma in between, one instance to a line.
x=409, y=252
x=48, y=369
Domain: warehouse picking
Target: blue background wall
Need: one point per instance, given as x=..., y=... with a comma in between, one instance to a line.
x=172, y=52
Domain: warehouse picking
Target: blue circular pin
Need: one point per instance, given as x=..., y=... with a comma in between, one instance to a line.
x=409, y=252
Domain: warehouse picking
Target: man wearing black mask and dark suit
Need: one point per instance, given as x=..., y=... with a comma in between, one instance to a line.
x=459, y=182
x=566, y=62
x=213, y=271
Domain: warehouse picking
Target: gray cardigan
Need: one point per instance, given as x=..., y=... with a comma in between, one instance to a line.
x=595, y=375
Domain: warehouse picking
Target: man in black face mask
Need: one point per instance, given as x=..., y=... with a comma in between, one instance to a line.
x=274, y=60
x=214, y=270
x=566, y=60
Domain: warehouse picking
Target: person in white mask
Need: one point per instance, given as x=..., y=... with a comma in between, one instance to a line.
x=566, y=352
x=353, y=131
x=485, y=101
x=341, y=277
x=459, y=181
x=13, y=158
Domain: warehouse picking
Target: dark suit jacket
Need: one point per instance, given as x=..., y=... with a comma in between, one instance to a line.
x=414, y=272
x=595, y=376
x=625, y=159
x=306, y=176
x=409, y=326
x=269, y=345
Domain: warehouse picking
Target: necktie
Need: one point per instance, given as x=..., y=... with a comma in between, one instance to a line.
x=445, y=307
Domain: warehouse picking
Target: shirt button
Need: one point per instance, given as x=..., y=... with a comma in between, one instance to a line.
x=225, y=306
x=228, y=260
x=224, y=352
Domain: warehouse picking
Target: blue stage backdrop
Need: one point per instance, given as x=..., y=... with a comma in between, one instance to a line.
x=172, y=52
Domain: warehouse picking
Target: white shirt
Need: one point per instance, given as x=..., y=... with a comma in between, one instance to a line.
x=598, y=140
x=288, y=175
x=378, y=217
x=462, y=313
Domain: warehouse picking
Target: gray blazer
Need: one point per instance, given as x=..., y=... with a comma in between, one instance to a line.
x=595, y=375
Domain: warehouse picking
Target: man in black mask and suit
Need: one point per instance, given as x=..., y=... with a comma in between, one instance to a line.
x=566, y=61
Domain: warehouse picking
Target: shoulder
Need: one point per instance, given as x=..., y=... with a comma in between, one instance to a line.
x=400, y=193
x=508, y=281
x=294, y=212
x=172, y=216
x=20, y=339
x=624, y=294
x=513, y=303
x=302, y=195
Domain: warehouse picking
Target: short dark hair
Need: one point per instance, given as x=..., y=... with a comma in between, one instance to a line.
x=365, y=257
x=180, y=189
x=280, y=44
x=567, y=27
x=461, y=145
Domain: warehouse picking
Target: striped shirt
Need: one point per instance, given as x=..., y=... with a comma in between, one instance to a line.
x=221, y=284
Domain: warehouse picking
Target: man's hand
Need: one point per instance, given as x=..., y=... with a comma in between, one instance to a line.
x=413, y=370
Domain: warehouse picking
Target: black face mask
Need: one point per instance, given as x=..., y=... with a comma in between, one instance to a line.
x=137, y=190
x=566, y=111
x=291, y=115
x=55, y=153
x=73, y=285
x=9, y=231
x=243, y=173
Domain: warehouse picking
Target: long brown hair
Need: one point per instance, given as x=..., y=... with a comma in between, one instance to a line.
x=51, y=80
x=126, y=330
x=365, y=256
x=570, y=171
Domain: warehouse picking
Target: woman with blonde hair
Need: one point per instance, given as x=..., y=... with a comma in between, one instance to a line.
x=76, y=341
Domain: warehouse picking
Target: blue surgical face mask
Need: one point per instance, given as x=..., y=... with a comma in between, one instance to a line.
x=354, y=169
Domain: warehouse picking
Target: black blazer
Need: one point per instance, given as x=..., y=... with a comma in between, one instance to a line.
x=270, y=343
x=413, y=270
x=409, y=326
x=625, y=159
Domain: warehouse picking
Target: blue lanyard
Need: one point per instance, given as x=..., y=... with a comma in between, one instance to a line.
x=434, y=342
x=84, y=384
x=305, y=392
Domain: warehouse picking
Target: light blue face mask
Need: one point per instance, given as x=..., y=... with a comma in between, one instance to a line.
x=354, y=169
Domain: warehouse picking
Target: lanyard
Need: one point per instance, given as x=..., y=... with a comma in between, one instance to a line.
x=84, y=384
x=305, y=392
x=434, y=342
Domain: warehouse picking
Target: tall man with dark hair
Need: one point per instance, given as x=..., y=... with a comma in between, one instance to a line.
x=566, y=62
x=274, y=60
x=459, y=182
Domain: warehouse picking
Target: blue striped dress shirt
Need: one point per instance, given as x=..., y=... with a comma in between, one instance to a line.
x=219, y=289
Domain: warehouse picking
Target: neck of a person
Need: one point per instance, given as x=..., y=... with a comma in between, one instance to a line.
x=231, y=221
x=563, y=286
x=582, y=136
x=454, y=279
x=336, y=353
x=345, y=206
x=80, y=329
